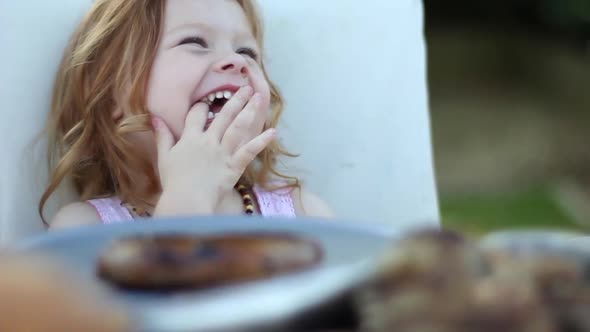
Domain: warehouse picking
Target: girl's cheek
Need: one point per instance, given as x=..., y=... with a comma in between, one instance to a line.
x=264, y=90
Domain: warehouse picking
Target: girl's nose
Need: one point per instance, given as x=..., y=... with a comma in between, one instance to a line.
x=233, y=63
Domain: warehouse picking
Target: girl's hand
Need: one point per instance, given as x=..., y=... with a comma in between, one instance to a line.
x=203, y=167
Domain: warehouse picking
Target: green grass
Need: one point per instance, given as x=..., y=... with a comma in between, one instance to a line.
x=483, y=213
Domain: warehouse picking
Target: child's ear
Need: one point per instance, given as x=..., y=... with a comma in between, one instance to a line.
x=117, y=114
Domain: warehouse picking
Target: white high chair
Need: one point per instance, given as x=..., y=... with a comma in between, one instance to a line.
x=353, y=75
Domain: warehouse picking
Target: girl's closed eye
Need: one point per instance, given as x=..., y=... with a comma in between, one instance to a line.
x=195, y=40
x=248, y=52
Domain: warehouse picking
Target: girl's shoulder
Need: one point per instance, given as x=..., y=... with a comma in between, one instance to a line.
x=74, y=214
x=310, y=205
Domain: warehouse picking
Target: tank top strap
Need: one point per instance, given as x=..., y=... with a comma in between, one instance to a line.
x=111, y=210
x=275, y=203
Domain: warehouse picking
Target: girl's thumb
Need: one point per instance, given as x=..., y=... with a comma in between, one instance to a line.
x=164, y=139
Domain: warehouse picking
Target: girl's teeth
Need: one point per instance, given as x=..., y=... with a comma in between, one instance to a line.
x=211, y=115
x=217, y=95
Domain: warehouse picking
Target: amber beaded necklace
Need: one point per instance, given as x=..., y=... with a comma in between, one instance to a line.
x=246, y=194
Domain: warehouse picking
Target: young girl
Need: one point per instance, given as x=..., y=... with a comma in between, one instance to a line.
x=164, y=108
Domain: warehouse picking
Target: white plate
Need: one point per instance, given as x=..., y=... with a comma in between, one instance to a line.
x=349, y=249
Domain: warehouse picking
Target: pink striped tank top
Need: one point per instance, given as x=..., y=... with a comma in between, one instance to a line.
x=277, y=203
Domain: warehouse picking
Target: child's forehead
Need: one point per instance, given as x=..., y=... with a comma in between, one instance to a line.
x=218, y=15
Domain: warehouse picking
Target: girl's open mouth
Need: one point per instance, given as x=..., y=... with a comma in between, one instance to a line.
x=216, y=101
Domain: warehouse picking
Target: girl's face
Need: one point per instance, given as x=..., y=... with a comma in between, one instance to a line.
x=206, y=47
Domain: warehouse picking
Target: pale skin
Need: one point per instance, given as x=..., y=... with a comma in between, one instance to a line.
x=206, y=44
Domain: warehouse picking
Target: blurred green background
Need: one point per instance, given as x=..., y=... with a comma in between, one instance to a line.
x=510, y=100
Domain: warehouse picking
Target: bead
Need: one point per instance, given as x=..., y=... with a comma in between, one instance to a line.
x=245, y=191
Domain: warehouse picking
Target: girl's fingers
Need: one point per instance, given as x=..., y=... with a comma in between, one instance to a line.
x=248, y=152
x=164, y=139
x=196, y=118
x=244, y=127
x=229, y=112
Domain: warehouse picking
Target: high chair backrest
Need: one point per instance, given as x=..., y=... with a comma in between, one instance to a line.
x=352, y=73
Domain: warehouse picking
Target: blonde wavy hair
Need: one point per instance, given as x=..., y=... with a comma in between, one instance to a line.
x=113, y=49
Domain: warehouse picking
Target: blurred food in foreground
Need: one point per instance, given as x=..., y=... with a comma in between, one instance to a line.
x=185, y=261
x=37, y=295
x=439, y=281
